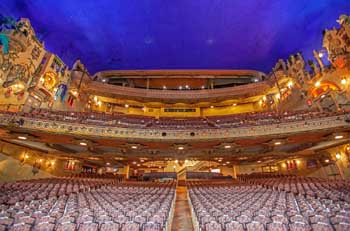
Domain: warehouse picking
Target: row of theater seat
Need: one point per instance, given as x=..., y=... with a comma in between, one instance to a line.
x=127, y=206
x=246, y=206
x=137, y=121
x=336, y=190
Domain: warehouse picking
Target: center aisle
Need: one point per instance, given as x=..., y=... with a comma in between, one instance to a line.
x=182, y=216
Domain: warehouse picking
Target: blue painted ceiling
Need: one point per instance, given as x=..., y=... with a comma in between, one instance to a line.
x=178, y=34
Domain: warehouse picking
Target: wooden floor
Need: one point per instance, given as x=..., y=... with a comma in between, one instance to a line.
x=182, y=216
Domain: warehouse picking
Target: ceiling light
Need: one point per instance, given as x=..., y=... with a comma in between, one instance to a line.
x=22, y=137
x=278, y=143
x=326, y=161
x=126, y=105
x=259, y=161
x=134, y=162
x=108, y=163
x=339, y=137
x=297, y=161
x=83, y=143
x=176, y=161
x=138, y=165
x=180, y=148
x=227, y=162
x=164, y=87
x=41, y=160
x=142, y=160
x=337, y=156
x=234, y=104
x=211, y=106
x=134, y=147
x=343, y=81
x=317, y=84
x=227, y=146
x=219, y=160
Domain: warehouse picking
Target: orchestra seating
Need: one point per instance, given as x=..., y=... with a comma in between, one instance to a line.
x=86, y=204
x=248, y=206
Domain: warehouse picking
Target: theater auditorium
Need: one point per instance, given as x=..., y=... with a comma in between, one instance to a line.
x=175, y=115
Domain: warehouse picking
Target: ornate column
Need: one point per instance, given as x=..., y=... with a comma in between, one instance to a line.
x=127, y=171
x=234, y=172
x=319, y=61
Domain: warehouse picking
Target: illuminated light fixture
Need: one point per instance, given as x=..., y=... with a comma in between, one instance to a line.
x=176, y=161
x=187, y=86
x=83, y=143
x=297, y=161
x=320, y=54
x=234, y=104
x=203, y=87
x=264, y=97
x=138, y=165
x=256, y=80
x=338, y=137
x=322, y=96
x=142, y=160
x=180, y=88
x=126, y=105
x=224, y=164
x=259, y=161
x=343, y=81
x=22, y=137
x=284, y=165
x=278, y=96
x=180, y=148
x=317, y=84
x=41, y=160
x=159, y=167
x=290, y=84
x=134, y=162
x=95, y=98
x=326, y=161
x=211, y=106
x=219, y=160
x=26, y=156
x=164, y=87
x=174, y=166
x=227, y=146
x=134, y=147
x=104, y=80
x=278, y=143
x=227, y=162
x=99, y=103
x=337, y=156
x=108, y=163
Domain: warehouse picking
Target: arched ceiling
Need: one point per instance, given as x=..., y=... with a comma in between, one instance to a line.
x=182, y=34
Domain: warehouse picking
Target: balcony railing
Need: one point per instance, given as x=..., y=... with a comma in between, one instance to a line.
x=79, y=129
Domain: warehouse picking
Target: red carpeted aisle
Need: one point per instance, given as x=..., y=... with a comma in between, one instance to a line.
x=182, y=216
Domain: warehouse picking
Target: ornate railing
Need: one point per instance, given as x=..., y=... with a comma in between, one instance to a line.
x=78, y=129
x=109, y=90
